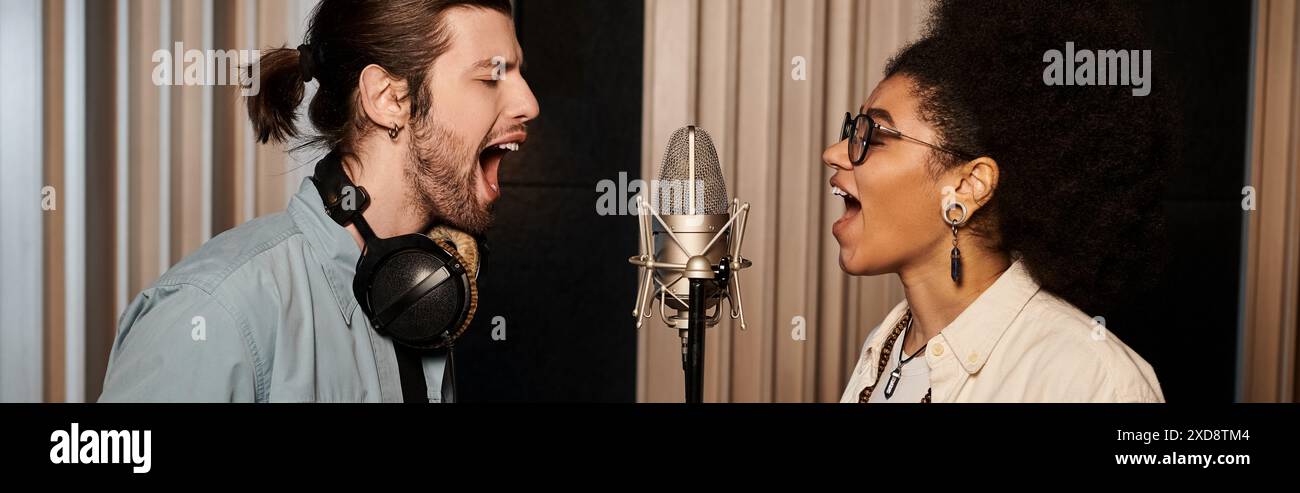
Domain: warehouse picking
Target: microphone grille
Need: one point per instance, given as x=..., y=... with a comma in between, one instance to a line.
x=675, y=175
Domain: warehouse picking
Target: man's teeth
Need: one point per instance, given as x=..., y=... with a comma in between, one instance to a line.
x=509, y=146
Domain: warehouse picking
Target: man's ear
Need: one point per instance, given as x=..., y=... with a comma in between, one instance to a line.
x=383, y=97
x=979, y=180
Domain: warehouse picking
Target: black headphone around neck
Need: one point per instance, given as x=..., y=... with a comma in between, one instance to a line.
x=419, y=291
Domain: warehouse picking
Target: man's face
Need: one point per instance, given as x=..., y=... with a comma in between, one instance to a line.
x=480, y=103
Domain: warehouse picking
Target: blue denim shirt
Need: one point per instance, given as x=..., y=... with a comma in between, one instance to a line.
x=261, y=313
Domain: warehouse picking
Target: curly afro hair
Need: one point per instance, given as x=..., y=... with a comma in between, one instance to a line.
x=1083, y=168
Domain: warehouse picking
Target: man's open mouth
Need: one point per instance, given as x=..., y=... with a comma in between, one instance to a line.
x=489, y=160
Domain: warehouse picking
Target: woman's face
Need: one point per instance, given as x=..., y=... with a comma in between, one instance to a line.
x=893, y=210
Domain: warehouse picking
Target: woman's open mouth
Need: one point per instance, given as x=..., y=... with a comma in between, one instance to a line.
x=851, y=208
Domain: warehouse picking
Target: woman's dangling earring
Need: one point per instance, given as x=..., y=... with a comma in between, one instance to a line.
x=392, y=132
x=956, y=252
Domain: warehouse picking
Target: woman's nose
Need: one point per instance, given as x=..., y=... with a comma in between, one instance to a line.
x=837, y=156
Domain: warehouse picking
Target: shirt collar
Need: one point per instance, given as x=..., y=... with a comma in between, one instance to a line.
x=338, y=250
x=972, y=335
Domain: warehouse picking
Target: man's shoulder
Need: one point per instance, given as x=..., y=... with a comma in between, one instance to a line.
x=223, y=255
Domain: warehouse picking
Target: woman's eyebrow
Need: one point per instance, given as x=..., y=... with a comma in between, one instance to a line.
x=881, y=114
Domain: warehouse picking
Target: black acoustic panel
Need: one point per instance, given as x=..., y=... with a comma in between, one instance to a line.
x=1203, y=51
x=583, y=60
x=558, y=276
x=1187, y=326
x=557, y=272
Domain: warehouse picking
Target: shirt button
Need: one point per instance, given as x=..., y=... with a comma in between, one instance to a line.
x=973, y=358
x=938, y=350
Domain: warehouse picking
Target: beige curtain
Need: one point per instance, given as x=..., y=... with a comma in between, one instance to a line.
x=730, y=67
x=1272, y=276
x=161, y=168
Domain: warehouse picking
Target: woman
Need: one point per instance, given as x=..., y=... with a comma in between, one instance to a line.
x=1013, y=212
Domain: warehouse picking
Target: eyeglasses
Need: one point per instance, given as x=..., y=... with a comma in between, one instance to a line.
x=860, y=129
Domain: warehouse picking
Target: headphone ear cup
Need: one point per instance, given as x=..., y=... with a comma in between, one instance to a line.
x=416, y=290
x=471, y=281
x=463, y=244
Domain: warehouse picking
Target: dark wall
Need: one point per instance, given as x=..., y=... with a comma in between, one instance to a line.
x=1187, y=327
x=557, y=271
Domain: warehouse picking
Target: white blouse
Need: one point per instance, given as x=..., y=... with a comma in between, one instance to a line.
x=1018, y=343
x=913, y=381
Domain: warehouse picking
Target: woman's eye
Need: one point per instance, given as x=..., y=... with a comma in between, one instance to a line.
x=489, y=82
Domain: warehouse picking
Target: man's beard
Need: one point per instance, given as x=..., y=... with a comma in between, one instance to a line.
x=444, y=187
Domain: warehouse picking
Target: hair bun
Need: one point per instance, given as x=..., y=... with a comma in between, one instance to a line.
x=307, y=62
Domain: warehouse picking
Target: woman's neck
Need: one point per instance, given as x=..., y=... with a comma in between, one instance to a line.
x=933, y=297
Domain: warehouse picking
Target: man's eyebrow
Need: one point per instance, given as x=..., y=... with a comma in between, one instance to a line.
x=881, y=115
x=491, y=63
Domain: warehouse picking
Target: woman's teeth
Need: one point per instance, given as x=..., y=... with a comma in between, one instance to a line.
x=839, y=192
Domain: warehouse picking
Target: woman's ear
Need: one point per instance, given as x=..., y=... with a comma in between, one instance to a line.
x=978, y=181
x=383, y=97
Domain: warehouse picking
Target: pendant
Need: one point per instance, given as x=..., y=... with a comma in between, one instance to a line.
x=892, y=384
x=956, y=265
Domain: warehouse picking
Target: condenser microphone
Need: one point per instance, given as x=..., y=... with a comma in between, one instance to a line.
x=691, y=195
x=690, y=238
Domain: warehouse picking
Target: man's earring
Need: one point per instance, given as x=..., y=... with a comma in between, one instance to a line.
x=956, y=253
x=392, y=132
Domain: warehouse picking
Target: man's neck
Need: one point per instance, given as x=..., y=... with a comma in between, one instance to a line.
x=380, y=171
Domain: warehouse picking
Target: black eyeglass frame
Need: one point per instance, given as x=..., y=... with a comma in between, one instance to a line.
x=859, y=144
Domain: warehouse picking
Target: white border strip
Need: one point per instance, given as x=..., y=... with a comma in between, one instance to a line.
x=165, y=144
x=123, y=155
x=1239, y=392
x=21, y=180
x=73, y=196
x=298, y=165
x=249, y=163
x=206, y=160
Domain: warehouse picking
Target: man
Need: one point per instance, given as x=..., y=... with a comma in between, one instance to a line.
x=421, y=99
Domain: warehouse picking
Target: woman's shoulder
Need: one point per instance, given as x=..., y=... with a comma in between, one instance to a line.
x=1079, y=354
x=890, y=319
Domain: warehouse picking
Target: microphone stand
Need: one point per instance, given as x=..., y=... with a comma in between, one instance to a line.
x=695, y=344
x=706, y=283
x=698, y=271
